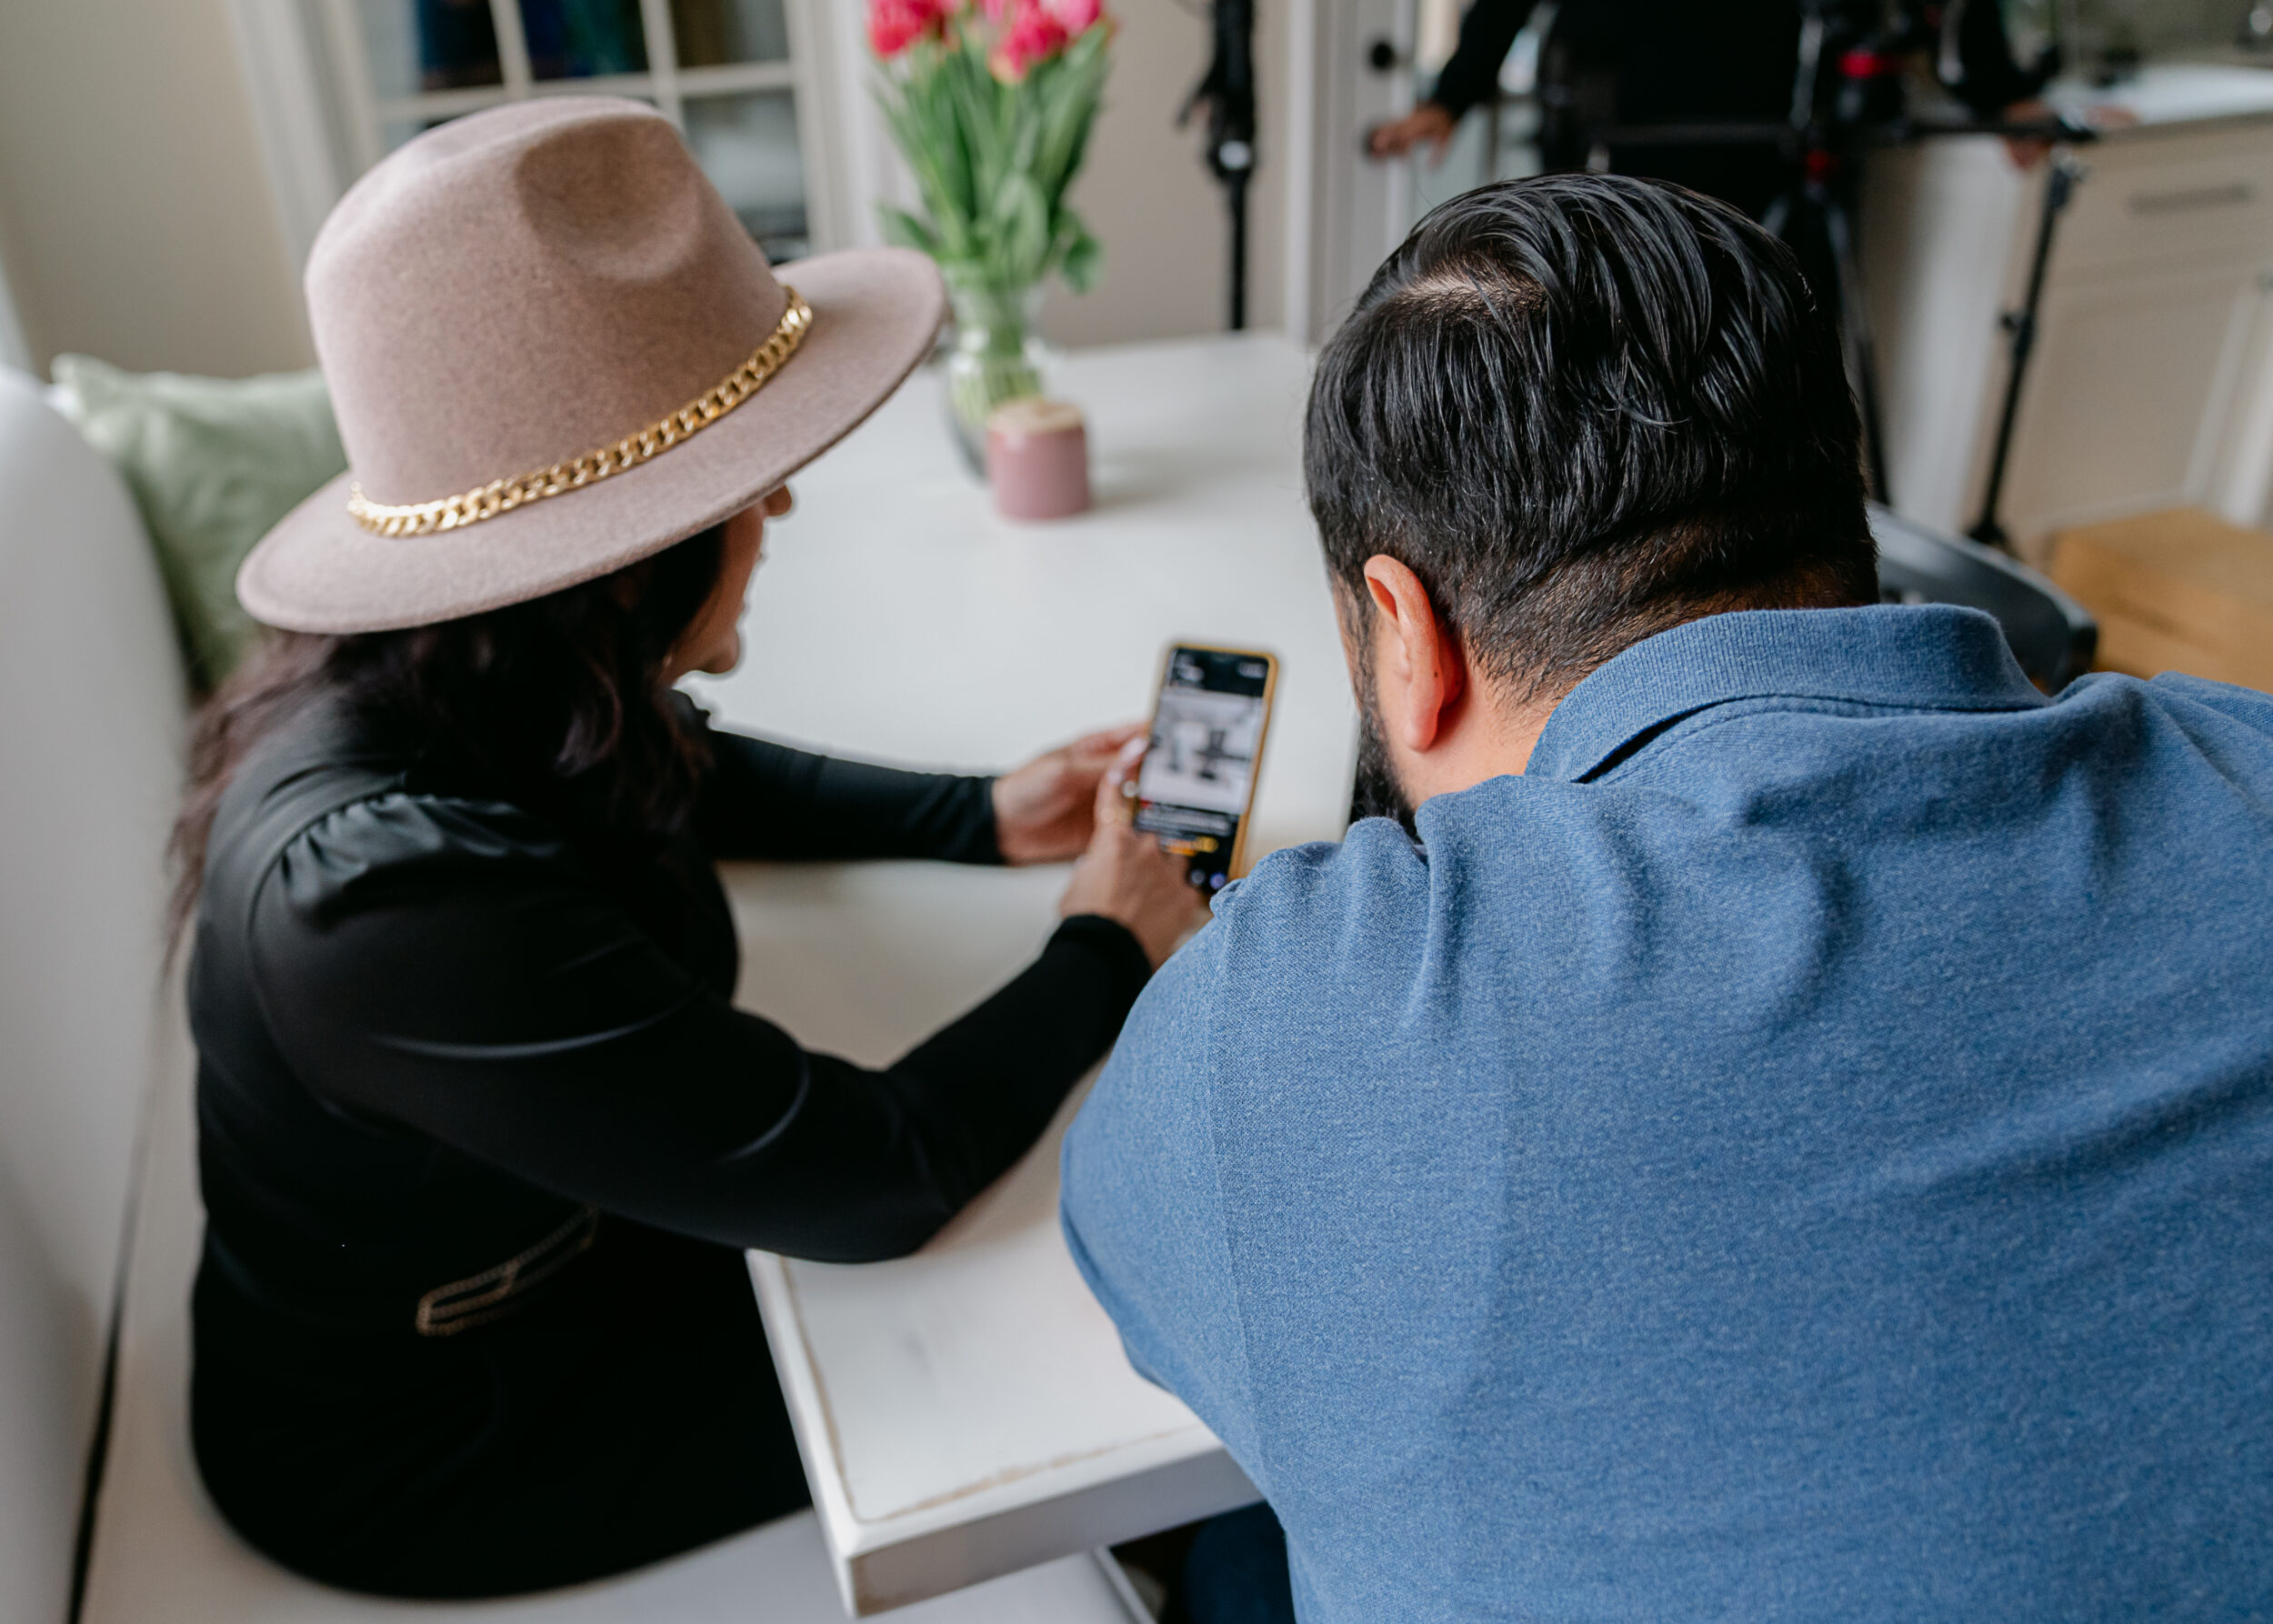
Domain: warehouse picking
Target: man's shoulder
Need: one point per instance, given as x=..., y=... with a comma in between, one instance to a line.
x=1321, y=910
x=1316, y=883
x=2174, y=733
x=2177, y=691
x=1285, y=946
x=1485, y=852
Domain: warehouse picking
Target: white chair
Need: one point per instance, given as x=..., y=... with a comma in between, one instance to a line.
x=95, y=1238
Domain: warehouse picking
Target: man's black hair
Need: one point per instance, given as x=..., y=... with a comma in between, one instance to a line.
x=1584, y=408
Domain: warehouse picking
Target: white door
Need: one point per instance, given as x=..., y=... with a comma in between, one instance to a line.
x=1358, y=209
x=1372, y=61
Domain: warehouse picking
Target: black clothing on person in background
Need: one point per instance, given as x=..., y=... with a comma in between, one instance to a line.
x=1630, y=62
x=1673, y=58
x=481, y=1137
x=1640, y=62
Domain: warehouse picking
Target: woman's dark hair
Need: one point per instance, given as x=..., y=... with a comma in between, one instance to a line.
x=560, y=697
x=1582, y=409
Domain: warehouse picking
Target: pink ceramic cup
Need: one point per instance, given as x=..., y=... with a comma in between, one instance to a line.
x=1038, y=459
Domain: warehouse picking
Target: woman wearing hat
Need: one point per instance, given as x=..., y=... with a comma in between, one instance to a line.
x=481, y=1133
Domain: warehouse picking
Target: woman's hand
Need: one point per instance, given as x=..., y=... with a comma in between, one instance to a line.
x=1045, y=810
x=1125, y=876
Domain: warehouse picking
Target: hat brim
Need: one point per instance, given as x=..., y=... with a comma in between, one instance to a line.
x=876, y=312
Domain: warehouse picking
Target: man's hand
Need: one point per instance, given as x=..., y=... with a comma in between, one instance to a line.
x=2027, y=154
x=1125, y=876
x=1428, y=122
x=1045, y=810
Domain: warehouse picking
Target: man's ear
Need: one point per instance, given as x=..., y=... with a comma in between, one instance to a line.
x=1419, y=677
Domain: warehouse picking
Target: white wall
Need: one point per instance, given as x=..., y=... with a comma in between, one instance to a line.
x=135, y=214
x=1144, y=191
x=14, y=350
x=1150, y=199
x=137, y=221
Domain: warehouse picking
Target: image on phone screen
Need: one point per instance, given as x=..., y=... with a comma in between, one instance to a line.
x=1198, y=780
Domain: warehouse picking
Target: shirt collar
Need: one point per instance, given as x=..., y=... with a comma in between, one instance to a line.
x=1925, y=656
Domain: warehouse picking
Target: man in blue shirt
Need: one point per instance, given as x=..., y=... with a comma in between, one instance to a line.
x=1790, y=1135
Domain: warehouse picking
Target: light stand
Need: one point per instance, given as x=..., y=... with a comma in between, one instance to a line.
x=1228, y=90
x=2059, y=188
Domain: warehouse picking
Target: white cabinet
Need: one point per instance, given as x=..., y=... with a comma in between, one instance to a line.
x=2152, y=383
x=2131, y=409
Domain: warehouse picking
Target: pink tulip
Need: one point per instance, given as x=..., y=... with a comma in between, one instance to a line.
x=896, y=25
x=1032, y=35
x=1076, y=16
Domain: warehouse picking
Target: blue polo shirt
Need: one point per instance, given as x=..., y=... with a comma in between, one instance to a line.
x=1804, y=1150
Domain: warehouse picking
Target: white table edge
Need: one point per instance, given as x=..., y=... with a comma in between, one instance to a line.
x=1129, y=1492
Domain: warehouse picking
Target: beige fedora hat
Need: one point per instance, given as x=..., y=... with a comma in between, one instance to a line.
x=553, y=351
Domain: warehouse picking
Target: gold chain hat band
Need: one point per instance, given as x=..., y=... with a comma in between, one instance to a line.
x=503, y=495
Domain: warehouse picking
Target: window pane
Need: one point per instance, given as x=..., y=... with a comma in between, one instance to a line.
x=428, y=45
x=582, y=39
x=748, y=145
x=712, y=33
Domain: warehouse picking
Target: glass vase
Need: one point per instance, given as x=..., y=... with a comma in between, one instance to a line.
x=995, y=355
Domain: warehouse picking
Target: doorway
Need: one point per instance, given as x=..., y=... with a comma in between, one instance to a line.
x=1374, y=61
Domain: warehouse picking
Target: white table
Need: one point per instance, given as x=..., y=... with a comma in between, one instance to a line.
x=968, y=1411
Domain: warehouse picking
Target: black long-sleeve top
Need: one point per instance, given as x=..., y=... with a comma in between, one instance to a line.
x=433, y=1028
x=1674, y=60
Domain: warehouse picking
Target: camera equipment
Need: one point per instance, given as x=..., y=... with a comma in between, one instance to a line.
x=1228, y=91
x=1850, y=94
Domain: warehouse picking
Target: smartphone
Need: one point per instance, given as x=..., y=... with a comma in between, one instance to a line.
x=1197, y=781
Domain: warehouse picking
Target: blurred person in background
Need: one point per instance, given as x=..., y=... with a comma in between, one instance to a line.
x=1620, y=64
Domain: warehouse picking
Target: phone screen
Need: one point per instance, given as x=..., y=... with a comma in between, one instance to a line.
x=1198, y=776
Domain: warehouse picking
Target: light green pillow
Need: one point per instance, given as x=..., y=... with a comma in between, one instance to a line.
x=212, y=464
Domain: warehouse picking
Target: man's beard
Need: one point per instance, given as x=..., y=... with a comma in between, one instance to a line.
x=1377, y=793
